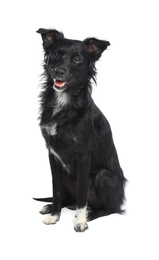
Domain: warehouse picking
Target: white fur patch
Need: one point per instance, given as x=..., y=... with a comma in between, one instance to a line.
x=50, y=129
x=53, y=129
x=80, y=221
x=56, y=155
x=51, y=219
x=58, y=90
x=74, y=138
x=62, y=99
x=81, y=215
x=59, y=159
x=45, y=210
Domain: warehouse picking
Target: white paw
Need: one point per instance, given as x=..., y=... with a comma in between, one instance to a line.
x=51, y=219
x=80, y=221
x=80, y=227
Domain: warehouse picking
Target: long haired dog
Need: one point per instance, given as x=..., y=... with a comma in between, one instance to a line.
x=86, y=173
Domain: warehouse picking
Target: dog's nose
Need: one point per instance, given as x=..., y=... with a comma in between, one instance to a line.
x=59, y=73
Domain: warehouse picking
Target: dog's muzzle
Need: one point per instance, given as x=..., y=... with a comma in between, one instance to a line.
x=59, y=75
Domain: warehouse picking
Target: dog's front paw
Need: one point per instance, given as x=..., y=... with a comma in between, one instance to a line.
x=80, y=227
x=80, y=221
x=52, y=219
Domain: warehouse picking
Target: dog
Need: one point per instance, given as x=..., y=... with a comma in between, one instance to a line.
x=86, y=174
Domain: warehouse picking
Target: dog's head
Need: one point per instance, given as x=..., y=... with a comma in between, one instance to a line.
x=68, y=62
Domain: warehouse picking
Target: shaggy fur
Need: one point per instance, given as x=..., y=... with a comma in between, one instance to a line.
x=86, y=173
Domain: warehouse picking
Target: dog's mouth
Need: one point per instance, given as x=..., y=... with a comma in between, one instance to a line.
x=59, y=84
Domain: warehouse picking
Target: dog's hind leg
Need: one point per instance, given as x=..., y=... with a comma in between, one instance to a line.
x=93, y=213
x=47, y=209
x=109, y=188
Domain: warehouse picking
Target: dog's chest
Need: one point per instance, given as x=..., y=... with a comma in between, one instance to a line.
x=60, y=101
x=49, y=129
x=64, y=137
x=61, y=142
x=55, y=132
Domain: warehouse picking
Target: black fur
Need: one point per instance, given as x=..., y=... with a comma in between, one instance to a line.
x=83, y=159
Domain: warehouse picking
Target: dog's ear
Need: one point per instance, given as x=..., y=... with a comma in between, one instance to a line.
x=49, y=36
x=95, y=47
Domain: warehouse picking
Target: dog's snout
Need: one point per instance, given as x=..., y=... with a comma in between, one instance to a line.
x=59, y=72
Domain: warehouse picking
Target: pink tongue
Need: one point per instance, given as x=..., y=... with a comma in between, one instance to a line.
x=60, y=83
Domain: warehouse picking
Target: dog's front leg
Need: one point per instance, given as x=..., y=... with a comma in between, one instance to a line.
x=83, y=170
x=56, y=170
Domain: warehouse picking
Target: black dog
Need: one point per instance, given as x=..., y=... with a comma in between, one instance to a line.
x=85, y=169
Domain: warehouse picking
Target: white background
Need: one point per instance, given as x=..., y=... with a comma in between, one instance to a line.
x=127, y=93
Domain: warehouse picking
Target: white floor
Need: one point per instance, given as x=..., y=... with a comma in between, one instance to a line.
x=127, y=237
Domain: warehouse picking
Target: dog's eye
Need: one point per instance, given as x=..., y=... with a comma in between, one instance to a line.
x=77, y=59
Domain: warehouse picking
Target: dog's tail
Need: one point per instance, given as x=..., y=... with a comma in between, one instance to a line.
x=50, y=199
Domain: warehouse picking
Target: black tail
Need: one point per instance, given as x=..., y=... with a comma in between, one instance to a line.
x=44, y=199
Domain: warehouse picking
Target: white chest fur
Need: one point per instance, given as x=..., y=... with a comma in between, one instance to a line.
x=62, y=99
x=51, y=129
x=58, y=158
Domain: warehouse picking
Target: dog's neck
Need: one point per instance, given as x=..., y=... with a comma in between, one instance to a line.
x=61, y=100
x=57, y=105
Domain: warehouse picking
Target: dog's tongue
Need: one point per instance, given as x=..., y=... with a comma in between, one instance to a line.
x=59, y=84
